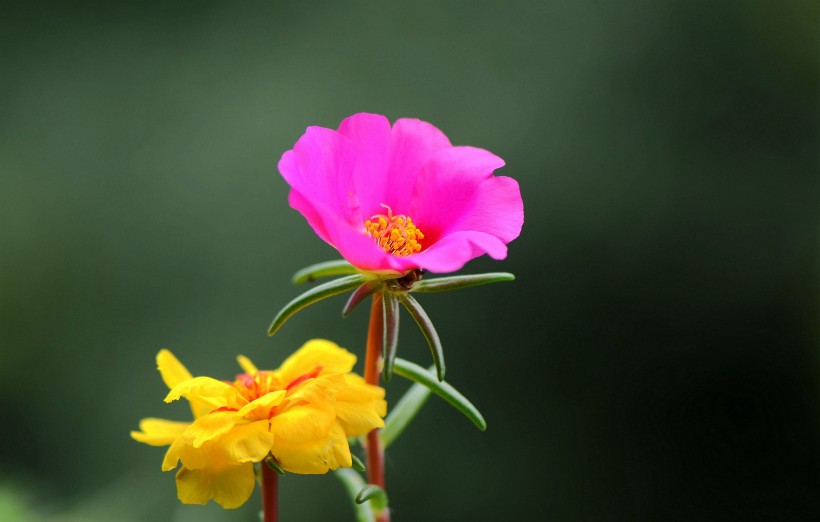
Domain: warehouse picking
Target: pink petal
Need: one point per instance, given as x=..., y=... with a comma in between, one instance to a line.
x=362, y=252
x=370, y=135
x=454, y=250
x=348, y=238
x=321, y=164
x=457, y=191
x=314, y=217
x=413, y=142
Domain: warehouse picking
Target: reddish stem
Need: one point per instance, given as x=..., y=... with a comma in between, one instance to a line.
x=269, y=494
x=372, y=372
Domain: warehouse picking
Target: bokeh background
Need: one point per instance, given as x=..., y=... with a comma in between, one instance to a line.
x=656, y=359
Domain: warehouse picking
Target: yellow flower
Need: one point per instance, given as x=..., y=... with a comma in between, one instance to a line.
x=301, y=414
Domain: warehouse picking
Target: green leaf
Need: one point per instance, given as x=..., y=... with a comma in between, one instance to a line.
x=445, y=284
x=375, y=494
x=325, y=269
x=403, y=412
x=358, y=465
x=417, y=374
x=315, y=294
x=354, y=483
x=272, y=464
x=363, y=292
x=427, y=329
x=390, y=342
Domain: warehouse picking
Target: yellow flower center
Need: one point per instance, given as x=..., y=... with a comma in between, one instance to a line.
x=397, y=235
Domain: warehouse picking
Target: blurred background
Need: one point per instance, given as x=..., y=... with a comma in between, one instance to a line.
x=656, y=359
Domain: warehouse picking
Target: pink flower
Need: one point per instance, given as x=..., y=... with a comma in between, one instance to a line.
x=392, y=199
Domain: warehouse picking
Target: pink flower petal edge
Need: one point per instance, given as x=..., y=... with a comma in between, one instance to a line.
x=341, y=178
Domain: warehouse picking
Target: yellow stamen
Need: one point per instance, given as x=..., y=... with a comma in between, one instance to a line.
x=397, y=235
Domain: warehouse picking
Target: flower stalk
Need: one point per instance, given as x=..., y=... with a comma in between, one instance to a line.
x=270, y=498
x=372, y=372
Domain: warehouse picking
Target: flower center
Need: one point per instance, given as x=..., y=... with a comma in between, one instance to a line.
x=254, y=386
x=397, y=235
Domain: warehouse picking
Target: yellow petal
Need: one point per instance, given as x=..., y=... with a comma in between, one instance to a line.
x=210, y=427
x=314, y=456
x=171, y=458
x=191, y=457
x=302, y=438
x=250, y=442
x=360, y=407
x=246, y=364
x=303, y=422
x=159, y=432
x=172, y=371
x=208, y=390
x=261, y=407
x=317, y=352
x=318, y=390
x=340, y=447
x=230, y=486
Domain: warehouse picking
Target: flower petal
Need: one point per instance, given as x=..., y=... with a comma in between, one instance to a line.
x=261, y=407
x=370, y=135
x=445, y=189
x=322, y=164
x=213, y=392
x=360, y=407
x=230, y=486
x=313, y=354
x=246, y=365
x=413, y=142
x=314, y=217
x=341, y=448
x=171, y=458
x=159, y=432
x=303, y=441
x=496, y=208
x=457, y=192
x=172, y=371
x=250, y=442
x=347, y=237
x=192, y=458
x=210, y=427
x=452, y=251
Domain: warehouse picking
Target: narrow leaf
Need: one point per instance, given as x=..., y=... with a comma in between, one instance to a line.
x=363, y=292
x=325, y=269
x=403, y=412
x=354, y=483
x=417, y=374
x=272, y=464
x=390, y=342
x=358, y=465
x=323, y=291
x=445, y=284
x=428, y=330
x=373, y=493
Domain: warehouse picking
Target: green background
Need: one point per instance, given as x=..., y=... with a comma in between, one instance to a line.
x=656, y=359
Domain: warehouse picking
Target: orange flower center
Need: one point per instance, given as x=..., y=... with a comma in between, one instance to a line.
x=254, y=386
x=263, y=382
x=397, y=235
